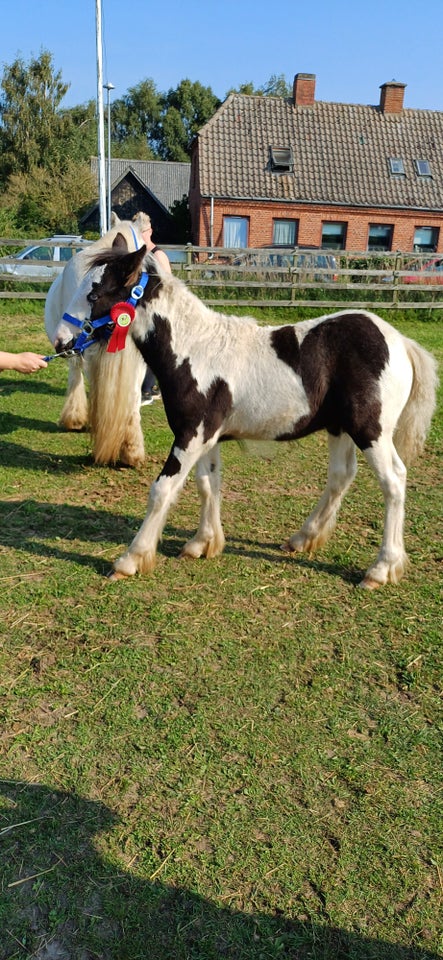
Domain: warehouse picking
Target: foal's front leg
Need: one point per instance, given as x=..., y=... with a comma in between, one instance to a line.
x=74, y=415
x=140, y=558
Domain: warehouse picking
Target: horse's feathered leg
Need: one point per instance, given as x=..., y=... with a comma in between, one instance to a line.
x=140, y=558
x=319, y=525
x=74, y=415
x=391, y=474
x=209, y=539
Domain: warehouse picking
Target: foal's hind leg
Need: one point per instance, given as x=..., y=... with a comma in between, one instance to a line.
x=391, y=474
x=209, y=539
x=321, y=522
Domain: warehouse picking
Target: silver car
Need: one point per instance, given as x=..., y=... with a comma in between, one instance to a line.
x=43, y=260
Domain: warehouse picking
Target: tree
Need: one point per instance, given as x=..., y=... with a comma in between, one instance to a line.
x=30, y=127
x=78, y=140
x=276, y=86
x=50, y=201
x=135, y=116
x=161, y=125
x=184, y=111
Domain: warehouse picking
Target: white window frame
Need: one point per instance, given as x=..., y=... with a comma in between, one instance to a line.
x=397, y=166
x=423, y=168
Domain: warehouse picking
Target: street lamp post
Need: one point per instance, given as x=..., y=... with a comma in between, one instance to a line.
x=108, y=87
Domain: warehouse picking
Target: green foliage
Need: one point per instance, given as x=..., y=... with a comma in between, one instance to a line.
x=51, y=199
x=184, y=110
x=165, y=122
x=30, y=127
x=276, y=86
x=79, y=140
x=136, y=115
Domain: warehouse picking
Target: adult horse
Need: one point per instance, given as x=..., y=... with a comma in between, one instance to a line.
x=225, y=377
x=114, y=380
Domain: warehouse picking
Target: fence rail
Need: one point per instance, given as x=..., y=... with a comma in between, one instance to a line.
x=268, y=277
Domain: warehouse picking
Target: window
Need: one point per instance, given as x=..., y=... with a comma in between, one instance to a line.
x=333, y=236
x=281, y=159
x=39, y=253
x=235, y=231
x=284, y=232
x=426, y=239
x=66, y=253
x=423, y=168
x=397, y=166
x=380, y=236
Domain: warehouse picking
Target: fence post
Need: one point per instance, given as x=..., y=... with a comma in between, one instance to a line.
x=397, y=262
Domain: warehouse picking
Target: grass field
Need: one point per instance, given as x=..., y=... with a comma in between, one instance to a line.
x=238, y=758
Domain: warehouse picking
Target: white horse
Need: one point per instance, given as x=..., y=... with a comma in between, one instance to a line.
x=114, y=379
x=225, y=377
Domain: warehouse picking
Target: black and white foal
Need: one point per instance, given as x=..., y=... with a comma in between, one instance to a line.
x=226, y=377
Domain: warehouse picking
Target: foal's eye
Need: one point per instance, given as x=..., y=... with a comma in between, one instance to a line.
x=92, y=296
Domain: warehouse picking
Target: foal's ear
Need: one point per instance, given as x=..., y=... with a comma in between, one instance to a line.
x=133, y=263
x=119, y=243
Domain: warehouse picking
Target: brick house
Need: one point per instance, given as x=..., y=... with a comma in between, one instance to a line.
x=149, y=185
x=300, y=172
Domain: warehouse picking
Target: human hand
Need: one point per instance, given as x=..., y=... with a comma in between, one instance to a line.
x=29, y=362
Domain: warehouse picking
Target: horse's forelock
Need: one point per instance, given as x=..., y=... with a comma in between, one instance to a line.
x=127, y=264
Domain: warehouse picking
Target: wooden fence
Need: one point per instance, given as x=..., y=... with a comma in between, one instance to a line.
x=275, y=277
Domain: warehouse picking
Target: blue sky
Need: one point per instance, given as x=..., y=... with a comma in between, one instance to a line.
x=351, y=46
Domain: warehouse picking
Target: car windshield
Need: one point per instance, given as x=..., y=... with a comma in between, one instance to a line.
x=66, y=253
x=38, y=253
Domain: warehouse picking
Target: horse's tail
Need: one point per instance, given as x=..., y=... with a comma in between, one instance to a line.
x=415, y=418
x=114, y=379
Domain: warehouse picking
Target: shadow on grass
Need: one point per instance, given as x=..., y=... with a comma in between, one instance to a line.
x=270, y=551
x=33, y=526
x=23, y=458
x=61, y=900
x=10, y=422
x=28, y=385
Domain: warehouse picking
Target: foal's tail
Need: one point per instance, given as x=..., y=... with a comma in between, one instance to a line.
x=415, y=418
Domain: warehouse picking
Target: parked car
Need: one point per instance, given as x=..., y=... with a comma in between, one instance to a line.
x=307, y=262
x=434, y=267
x=58, y=250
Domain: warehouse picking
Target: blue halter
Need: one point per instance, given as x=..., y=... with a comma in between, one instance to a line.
x=89, y=328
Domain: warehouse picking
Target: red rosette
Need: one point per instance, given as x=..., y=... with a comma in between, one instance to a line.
x=122, y=315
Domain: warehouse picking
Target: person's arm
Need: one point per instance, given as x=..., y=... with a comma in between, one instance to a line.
x=22, y=362
x=163, y=260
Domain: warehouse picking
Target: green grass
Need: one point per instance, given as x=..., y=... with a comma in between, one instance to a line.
x=237, y=758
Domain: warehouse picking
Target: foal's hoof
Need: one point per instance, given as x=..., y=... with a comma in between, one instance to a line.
x=117, y=575
x=369, y=584
x=287, y=547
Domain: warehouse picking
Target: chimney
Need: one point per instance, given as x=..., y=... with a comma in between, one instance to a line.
x=391, y=97
x=304, y=89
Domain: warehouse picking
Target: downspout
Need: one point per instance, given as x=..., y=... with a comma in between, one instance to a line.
x=211, y=225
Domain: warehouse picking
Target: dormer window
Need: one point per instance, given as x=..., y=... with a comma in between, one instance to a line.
x=396, y=166
x=423, y=168
x=281, y=159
